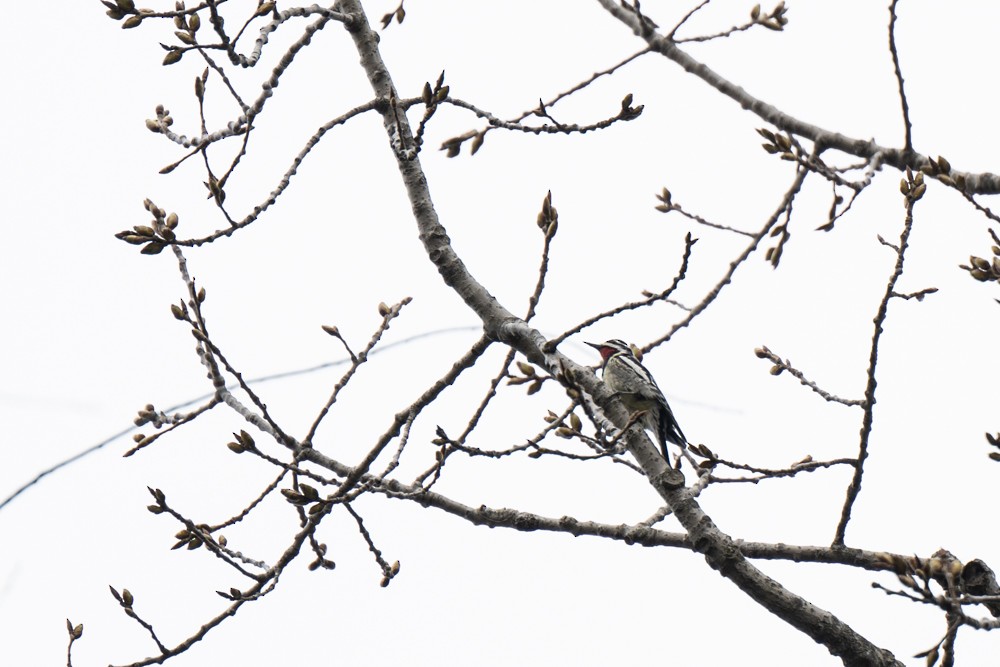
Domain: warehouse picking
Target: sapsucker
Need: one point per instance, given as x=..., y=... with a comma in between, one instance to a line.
x=635, y=386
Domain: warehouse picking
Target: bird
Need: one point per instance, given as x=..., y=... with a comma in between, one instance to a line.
x=628, y=378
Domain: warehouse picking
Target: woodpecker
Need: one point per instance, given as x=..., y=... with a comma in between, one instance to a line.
x=637, y=389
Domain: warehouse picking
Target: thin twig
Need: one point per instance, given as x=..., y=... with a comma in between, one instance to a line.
x=714, y=225
x=383, y=565
x=175, y=423
x=760, y=474
x=908, y=140
x=468, y=360
x=542, y=271
x=689, y=242
x=781, y=365
x=785, y=205
x=286, y=178
x=869, y=402
x=684, y=19
x=556, y=128
x=580, y=86
x=360, y=358
x=452, y=446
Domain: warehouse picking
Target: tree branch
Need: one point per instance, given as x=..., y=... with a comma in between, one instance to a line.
x=869, y=401
x=720, y=551
x=900, y=158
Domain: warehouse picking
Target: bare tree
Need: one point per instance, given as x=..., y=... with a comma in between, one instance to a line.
x=319, y=477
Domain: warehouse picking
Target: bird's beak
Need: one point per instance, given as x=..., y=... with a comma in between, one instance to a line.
x=594, y=345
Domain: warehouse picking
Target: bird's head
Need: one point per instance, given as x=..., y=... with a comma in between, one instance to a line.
x=612, y=347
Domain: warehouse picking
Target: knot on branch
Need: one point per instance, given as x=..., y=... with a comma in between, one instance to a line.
x=496, y=517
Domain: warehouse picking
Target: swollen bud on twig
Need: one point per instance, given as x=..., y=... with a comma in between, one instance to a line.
x=575, y=422
x=548, y=215
x=477, y=143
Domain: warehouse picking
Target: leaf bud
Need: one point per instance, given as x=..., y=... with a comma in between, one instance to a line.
x=477, y=143
x=981, y=276
x=575, y=422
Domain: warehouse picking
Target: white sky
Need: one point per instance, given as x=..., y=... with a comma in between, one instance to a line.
x=89, y=337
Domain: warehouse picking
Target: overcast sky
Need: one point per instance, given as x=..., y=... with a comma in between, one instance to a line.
x=89, y=338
